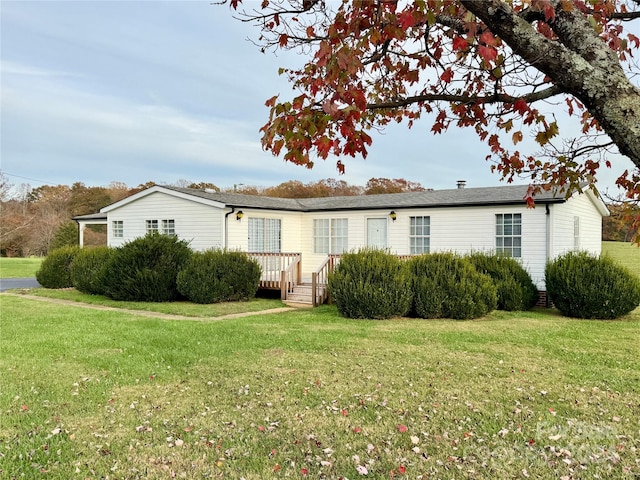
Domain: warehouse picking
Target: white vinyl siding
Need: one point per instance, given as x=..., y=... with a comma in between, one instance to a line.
x=330, y=235
x=509, y=234
x=265, y=235
x=200, y=224
x=419, y=231
x=117, y=229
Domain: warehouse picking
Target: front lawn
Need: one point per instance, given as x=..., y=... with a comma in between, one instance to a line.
x=307, y=394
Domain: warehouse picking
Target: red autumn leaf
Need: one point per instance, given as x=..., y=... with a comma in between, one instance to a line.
x=261, y=428
x=304, y=471
x=447, y=75
x=402, y=469
x=406, y=20
x=487, y=38
x=283, y=40
x=344, y=412
x=488, y=54
x=402, y=428
x=520, y=106
x=357, y=429
x=459, y=43
x=24, y=408
x=276, y=467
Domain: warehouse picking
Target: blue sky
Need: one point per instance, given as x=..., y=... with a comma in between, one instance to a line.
x=132, y=92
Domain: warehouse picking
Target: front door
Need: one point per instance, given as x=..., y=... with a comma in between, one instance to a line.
x=377, y=233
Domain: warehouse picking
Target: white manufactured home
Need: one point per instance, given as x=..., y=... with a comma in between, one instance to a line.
x=296, y=239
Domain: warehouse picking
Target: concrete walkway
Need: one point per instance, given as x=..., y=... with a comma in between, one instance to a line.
x=146, y=313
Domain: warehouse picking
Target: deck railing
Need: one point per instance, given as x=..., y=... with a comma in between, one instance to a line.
x=320, y=279
x=280, y=271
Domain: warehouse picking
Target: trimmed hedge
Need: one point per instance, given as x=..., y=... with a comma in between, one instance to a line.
x=584, y=286
x=516, y=290
x=54, y=272
x=219, y=276
x=370, y=284
x=446, y=285
x=145, y=269
x=88, y=269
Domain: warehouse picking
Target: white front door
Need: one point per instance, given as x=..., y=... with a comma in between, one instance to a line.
x=377, y=233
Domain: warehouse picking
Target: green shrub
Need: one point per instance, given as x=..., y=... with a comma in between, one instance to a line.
x=584, y=286
x=54, y=272
x=219, y=276
x=448, y=286
x=516, y=290
x=370, y=284
x=88, y=269
x=145, y=269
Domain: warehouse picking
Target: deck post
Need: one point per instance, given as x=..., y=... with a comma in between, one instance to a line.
x=314, y=285
x=283, y=285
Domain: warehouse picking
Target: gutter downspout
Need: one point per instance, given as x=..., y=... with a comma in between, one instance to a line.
x=547, y=247
x=226, y=227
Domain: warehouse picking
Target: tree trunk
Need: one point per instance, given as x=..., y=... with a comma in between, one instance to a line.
x=578, y=62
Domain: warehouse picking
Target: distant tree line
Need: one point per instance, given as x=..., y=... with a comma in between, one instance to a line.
x=34, y=221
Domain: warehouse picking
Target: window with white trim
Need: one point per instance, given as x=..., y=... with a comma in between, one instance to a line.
x=330, y=235
x=509, y=234
x=169, y=227
x=419, y=234
x=151, y=225
x=264, y=234
x=117, y=228
x=576, y=233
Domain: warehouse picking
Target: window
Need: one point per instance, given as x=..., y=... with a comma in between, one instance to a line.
x=419, y=231
x=330, y=235
x=576, y=233
x=117, y=228
x=509, y=234
x=264, y=234
x=169, y=227
x=152, y=226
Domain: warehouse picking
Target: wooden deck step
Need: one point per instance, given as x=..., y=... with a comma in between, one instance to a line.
x=301, y=296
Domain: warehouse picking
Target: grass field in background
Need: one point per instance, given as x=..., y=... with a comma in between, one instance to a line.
x=19, y=267
x=626, y=254
x=307, y=394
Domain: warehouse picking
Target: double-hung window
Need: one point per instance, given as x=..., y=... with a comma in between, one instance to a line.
x=330, y=235
x=169, y=227
x=264, y=234
x=151, y=226
x=419, y=233
x=117, y=228
x=509, y=234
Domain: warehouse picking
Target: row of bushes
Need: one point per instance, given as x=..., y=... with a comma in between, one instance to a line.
x=376, y=284
x=154, y=268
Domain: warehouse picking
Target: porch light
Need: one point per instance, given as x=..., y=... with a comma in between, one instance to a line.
x=392, y=215
x=239, y=215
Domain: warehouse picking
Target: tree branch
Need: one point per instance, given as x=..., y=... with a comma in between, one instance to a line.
x=467, y=99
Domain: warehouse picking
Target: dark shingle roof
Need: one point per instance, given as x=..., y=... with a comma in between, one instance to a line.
x=503, y=195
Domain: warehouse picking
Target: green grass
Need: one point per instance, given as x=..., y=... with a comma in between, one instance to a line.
x=173, y=308
x=626, y=254
x=307, y=394
x=19, y=267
